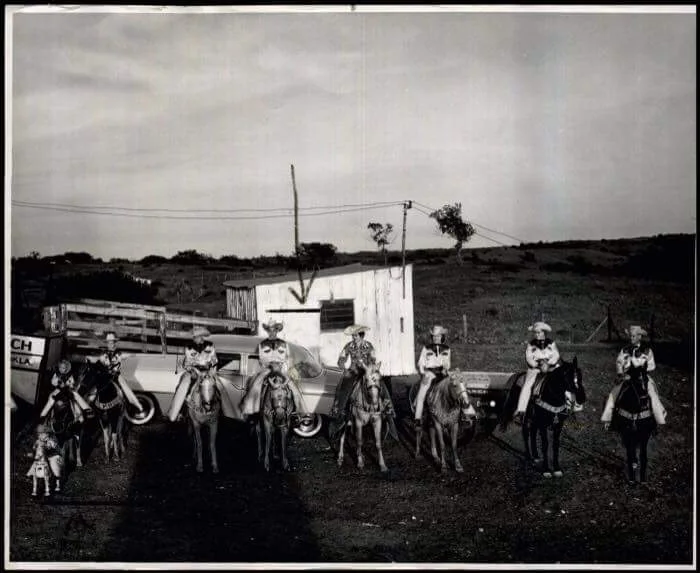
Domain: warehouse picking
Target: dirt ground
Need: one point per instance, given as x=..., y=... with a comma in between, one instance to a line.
x=153, y=507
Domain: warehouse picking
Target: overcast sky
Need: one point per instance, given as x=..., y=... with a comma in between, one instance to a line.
x=545, y=126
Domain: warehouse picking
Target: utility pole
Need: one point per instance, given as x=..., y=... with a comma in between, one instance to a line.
x=406, y=206
x=296, y=214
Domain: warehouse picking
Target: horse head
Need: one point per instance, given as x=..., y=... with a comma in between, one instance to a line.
x=207, y=392
x=371, y=382
x=279, y=398
x=458, y=393
x=575, y=380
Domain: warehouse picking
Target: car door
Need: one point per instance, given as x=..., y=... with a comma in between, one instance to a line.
x=232, y=372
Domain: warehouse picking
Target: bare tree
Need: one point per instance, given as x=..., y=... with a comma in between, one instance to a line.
x=381, y=234
x=450, y=222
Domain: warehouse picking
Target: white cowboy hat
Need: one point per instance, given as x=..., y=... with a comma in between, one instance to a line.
x=200, y=331
x=355, y=329
x=543, y=326
x=438, y=330
x=635, y=329
x=273, y=324
x=111, y=337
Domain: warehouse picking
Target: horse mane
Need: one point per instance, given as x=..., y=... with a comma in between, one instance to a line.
x=439, y=397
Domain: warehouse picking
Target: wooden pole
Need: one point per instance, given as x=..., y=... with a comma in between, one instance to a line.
x=464, y=326
x=296, y=213
x=406, y=206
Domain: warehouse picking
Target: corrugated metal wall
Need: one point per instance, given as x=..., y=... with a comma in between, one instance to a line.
x=378, y=303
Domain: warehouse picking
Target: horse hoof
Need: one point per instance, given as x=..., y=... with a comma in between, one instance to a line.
x=558, y=474
x=200, y=470
x=537, y=461
x=547, y=475
x=34, y=494
x=215, y=470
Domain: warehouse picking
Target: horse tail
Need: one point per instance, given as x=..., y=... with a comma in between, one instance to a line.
x=511, y=401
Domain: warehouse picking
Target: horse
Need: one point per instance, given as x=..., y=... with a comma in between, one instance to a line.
x=105, y=396
x=365, y=408
x=69, y=431
x=203, y=409
x=277, y=405
x=548, y=409
x=633, y=419
x=447, y=403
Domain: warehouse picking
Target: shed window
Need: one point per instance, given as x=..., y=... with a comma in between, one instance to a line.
x=337, y=314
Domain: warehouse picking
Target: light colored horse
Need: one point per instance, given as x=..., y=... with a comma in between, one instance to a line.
x=204, y=408
x=447, y=403
x=365, y=408
x=276, y=409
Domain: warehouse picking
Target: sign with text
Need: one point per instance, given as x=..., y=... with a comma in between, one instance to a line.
x=26, y=352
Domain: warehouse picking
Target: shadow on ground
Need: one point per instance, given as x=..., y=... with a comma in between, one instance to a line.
x=242, y=514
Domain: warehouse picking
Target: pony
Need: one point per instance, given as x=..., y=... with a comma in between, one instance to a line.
x=366, y=407
x=105, y=396
x=277, y=405
x=634, y=421
x=447, y=403
x=69, y=431
x=48, y=464
x=549, y=408
x=203, y=409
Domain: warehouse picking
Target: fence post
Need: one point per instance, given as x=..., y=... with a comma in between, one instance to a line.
x=464, y=326
x=163, y=336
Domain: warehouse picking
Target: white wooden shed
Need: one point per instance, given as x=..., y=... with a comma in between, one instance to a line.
x=338, y=297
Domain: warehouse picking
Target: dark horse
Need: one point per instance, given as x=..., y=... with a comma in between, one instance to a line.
x=104, y=395
x=275, y=414
x=68, y=430
x=549, y=408
x=633, y=419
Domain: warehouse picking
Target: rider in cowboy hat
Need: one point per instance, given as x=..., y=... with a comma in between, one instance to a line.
x=111, y=358
x=434, y=363
x=274, y=356
x=61, y=379
x=636, y=354
x=541, y=355
x=200, y=358
x=355, y=353
x=46, y=442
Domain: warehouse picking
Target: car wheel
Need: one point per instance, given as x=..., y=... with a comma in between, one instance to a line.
x=149, y=410
x=309, y=426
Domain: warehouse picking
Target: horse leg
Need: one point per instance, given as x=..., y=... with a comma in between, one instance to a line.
x=631, y=449
x=643, y=443
x=284, y=430
x=454, y=434
x=258, y=433
x=556, y=442
x=530, y=451
x=47, y=484
x=105, y=437
x=78, y=447
x=534, y=448
x=358, y=437
x=377, y=426
x=419, y=437
x=213, y=430
x=544, y=433
x=197, y=430
x=441, y=438
x=35, y=486
x=268, y=440
x=342, y=446
x=433, y=446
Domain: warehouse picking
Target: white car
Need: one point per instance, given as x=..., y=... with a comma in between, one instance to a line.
x=154, y=377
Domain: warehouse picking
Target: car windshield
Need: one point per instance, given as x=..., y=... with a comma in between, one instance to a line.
x=304, y=362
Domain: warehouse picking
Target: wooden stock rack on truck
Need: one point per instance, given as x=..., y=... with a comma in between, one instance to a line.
x=140, y=328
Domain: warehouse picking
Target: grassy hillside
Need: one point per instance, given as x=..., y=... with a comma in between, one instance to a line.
x=500, y=290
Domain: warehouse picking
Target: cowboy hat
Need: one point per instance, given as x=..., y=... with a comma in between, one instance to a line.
x=273, y=324
x=200, y=331
x=355, y=329
x=635, y=329
x=438, y=330
x=543, y=326
x=111, y=337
